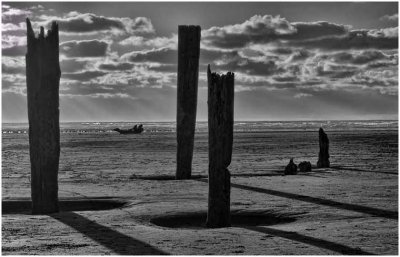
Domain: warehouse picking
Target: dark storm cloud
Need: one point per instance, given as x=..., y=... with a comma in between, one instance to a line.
x=76, y=22
x=83, y=76
x=15, y=50
x=85, y=48
x=116, y=66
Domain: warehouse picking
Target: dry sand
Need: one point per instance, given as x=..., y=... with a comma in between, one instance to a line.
x=117, y=197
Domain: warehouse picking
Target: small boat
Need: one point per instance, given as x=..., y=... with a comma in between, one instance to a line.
x=135, y=130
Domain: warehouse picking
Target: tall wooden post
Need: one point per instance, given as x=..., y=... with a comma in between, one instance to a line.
x=323, y=157
x=43, y=80
x=188, y=74
x=220, y=139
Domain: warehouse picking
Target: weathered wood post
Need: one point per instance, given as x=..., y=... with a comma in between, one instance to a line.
x=188, y=74
x=220, y=139
x=43, y=80
x=323, y=157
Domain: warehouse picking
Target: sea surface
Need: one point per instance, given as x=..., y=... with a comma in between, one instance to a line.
x=239, y=126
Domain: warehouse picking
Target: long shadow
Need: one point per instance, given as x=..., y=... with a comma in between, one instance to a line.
x=354, y=169
x=113, y=240
x=163, y=177
x=346, y=206
x=24, y=205
x=246, y=175
x=171, y=177
x=342, y=249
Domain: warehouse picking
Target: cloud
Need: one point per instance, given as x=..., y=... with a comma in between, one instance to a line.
x=335, y=71
x=116, y=66
x=82, y=76
x=299, y=55
x=250, y=67
x=84, y=48
x=384, y=33
x=302, y=95
x=257, y=29
x=8, y=27
x=72, y=65
x=362, y=39
x=156, y=42
x=362, y=57
x=15, y=50
x=14, y=15
x=101, y=95
x=278, y=32
x=307, y=30
x=12, y=69
x=265, y=29
x=285, y=78
x=161, y=55
x=78, y=23
x=393, y=17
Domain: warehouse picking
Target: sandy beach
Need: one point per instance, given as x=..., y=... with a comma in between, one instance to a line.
x=118, y=196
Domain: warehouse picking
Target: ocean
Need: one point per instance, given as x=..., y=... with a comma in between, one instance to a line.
x=239, y=126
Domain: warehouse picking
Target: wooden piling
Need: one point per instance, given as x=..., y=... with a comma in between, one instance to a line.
x=43, y=80
x=188, y=73
x=220, y=139
x=323, y=157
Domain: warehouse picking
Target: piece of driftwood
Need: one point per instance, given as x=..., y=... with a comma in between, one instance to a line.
x=188, y=74
x=220, y=139
x=323, y=157
x=135, y=130
x=43, y=80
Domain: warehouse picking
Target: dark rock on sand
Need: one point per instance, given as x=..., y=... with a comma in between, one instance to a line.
x=305, y=166
x=291, y=168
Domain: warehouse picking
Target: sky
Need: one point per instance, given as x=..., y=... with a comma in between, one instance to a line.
x=292, y=60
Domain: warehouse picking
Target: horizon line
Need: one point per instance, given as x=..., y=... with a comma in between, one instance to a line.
x=142, y=121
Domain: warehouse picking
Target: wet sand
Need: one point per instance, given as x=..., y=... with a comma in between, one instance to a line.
x=118, y=196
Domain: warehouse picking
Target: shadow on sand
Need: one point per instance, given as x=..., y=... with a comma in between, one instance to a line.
x=239, y=218
x=24, y=206
x=346, y=206
x=113, y=240
x=195, y=177
x=339, y=248
x=255, y=221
